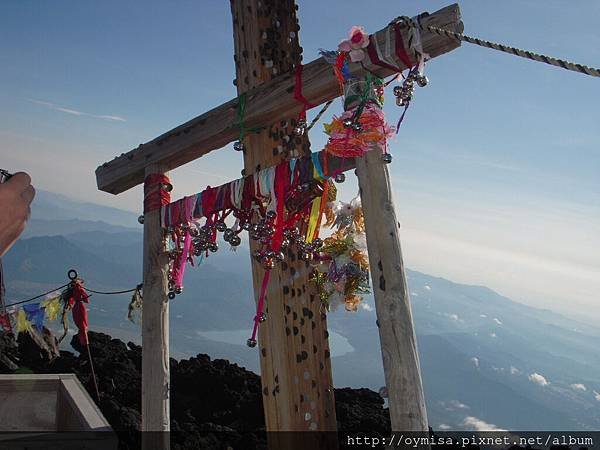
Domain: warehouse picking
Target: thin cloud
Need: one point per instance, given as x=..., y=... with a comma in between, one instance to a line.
x=476, y=424
x=74, y=112
x=538, y=379
x=578, y=387
x=366, y=306
x=597, y=395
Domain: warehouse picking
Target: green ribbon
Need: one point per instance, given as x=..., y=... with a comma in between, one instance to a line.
x=365, y=96
x=241, y=112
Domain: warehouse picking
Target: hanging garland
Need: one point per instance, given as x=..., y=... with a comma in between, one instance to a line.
x=282, y=207
x=343, y=275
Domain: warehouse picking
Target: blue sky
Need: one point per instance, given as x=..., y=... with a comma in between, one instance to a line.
x=496, y=166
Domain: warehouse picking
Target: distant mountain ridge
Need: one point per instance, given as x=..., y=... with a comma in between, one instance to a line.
x=483, y=356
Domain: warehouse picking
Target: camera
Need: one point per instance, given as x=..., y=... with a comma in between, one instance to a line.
x=4, y=176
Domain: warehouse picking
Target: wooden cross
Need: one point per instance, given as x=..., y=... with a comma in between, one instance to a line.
x=293, y=342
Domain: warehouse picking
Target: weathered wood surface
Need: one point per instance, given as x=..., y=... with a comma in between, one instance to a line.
x=267, y=102
x=155, y=333
x=392, y=302
x=293, y=342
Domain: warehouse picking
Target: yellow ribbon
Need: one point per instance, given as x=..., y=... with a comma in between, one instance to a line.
x=51, y=307
x=22, y=323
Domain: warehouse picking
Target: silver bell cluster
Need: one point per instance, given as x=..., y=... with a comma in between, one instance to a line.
x=300, y=128
x=404, y=93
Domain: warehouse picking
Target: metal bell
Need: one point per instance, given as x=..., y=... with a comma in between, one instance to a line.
x=306, y=256
x=235, y=240
x=221, y=226
x=300, y=127
x=397, y=91
x=213, y=247
x=347, y=123
x=400, y=101
x=171, y=295
x=422, y=80
x=238, y=146
x=141, y=219
x=357, y=126
x=251, y=343
x=340, y=178
x=262, y=317
x=268, y=263
x=386, y=158
x=271, y=215
x=178, y=289
x=228, y=234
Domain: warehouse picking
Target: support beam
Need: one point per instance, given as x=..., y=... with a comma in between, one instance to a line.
x=294, y=353
x=267, y=102
x=392, y=302
x=155, y=333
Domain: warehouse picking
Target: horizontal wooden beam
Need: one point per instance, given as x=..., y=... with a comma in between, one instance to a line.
x=265, y=105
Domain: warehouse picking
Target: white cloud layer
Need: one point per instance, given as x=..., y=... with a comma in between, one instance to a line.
x=578, y=387
x=538, y=379
x=475, y=424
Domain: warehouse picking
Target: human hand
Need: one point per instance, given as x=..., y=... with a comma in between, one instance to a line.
x=16, y=196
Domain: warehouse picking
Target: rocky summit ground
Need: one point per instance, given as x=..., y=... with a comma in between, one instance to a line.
x=214, y=404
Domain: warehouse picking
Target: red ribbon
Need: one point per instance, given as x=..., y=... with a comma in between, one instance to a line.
x=400, y=49
x=155, y=196
x=78, y=299
x=298, y=93
x=261, y=304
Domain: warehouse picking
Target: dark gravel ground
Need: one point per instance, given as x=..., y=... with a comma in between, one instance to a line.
x=214, y=404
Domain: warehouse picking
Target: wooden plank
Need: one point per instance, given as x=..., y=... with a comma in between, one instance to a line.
x=392, y=302
x=268, y=100
x=76, y=411
x=29, y=382
x=155, y=333
x=293, y=342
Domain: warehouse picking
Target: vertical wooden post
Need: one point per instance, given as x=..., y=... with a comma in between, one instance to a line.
x=293, y=341
x=392, y=303
x=155, y=333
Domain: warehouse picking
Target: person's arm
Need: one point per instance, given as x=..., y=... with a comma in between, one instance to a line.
x=16, y=195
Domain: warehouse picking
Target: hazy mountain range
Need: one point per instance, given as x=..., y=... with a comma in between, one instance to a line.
x=486, y=360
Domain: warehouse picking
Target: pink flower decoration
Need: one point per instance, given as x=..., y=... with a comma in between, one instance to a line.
x=358, y=37
x=356, y=42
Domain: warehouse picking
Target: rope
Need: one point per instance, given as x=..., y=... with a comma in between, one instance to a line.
x=37, y=296
x=111, y=293
x=64, y=286
x=575, y=67
x=319, y=114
